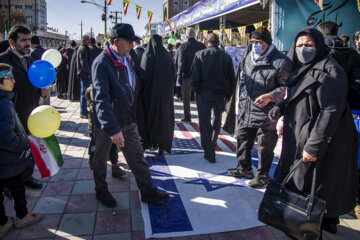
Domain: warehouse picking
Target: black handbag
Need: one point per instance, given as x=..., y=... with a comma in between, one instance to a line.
x=296, y=215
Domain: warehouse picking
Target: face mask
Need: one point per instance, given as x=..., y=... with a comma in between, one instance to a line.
x=305, y=54
x=257, y=49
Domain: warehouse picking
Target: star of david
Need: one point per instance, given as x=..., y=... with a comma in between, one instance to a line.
x=205, y=179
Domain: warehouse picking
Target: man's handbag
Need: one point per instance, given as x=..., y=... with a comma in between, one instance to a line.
x=296, y=215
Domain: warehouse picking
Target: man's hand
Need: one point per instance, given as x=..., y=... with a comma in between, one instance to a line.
x=307, y=157
x=44, y=92
x=263, y=100
x=118, y=139
x=274, y=114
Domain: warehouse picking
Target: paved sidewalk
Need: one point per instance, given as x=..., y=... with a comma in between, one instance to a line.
x=72, y=211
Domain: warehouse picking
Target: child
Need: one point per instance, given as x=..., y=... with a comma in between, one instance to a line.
x=14, y=157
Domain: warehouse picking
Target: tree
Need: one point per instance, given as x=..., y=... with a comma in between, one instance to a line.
x=16, y=17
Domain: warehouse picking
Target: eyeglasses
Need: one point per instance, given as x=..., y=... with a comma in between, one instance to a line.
x=11, y=78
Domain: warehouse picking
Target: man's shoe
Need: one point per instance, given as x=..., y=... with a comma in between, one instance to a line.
x=83, y=116
x=330, y=227
x=6, y=228
x=154, y=196
x=29, y=219
x=241, y=173
x=117, y=171
x=259, y=182
x=210, y=159
x=160, y=152
x=34, y=183
x=106, y=199
x=186, y=120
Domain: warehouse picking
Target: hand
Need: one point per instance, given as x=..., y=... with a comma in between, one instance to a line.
x=263, y=100
x=274, y=114
x=44, y=92
x=118, y=139
x=307, y=157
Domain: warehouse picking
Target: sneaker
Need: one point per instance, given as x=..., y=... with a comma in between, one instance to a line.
x=6, y=228
x=117, y=171
x=106, y=199
x=29, y=219
x=154, y=196
x=186, y=120
x=241, y=173
x=259, y=182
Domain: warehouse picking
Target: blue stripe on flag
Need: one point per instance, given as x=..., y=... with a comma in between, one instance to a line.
x=171, y=215
x=255, y=162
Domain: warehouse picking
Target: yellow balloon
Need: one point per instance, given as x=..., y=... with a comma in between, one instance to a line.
x=44, y=121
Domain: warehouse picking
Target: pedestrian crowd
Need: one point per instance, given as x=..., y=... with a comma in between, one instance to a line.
x=126, y=91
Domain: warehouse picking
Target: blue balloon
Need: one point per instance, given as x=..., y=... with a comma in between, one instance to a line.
x=41, y=74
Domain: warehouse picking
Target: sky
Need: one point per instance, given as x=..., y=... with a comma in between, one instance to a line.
x=66, y=15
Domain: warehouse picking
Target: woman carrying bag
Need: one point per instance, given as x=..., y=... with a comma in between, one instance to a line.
x=318, y=129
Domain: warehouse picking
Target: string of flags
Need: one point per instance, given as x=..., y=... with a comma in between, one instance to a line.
x=320, y=3
x=138, y=8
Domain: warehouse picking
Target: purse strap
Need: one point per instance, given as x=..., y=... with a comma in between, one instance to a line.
x=312, y=193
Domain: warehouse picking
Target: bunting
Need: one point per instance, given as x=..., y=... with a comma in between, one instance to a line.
x=109, y=2
x=242, y=31
x=320, y=4
x=263, y=3
x=138, y=11
x=358, y=2
x=168, y=22
x=217, y=32
x=205, y=33
x=228, y=33
x=257, y=25
x=222, y=30
x=150, y=14
x=125, y=6
x=175, y=25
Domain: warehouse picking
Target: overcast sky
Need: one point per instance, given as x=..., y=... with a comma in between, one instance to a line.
x=66, y=15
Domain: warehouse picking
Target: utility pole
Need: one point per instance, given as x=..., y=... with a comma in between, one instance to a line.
x=91, y=32
x=81, y=24
x=105, y=14
x=35, y=28
x=116, y=16
x=9, y=12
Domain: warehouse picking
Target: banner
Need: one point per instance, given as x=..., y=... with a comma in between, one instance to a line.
x=320, y=4
x=125, y=6
x=47, y=155
x=150, y=14
x=109, y=2
x=138, y=11
x=242, y=31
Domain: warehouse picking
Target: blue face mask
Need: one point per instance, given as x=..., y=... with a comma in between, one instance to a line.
x=257, y=49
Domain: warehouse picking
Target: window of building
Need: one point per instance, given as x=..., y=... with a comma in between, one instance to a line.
x=28, y=6
x=18, y=6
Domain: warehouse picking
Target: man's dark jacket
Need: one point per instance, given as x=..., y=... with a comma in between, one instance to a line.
x=27, y=96
x=349, y=60
x=11, y=144
x=84, y=61
x=213, y=69
x=114, y=98
x=186, y=54
x=37, y=53
x=95, y=51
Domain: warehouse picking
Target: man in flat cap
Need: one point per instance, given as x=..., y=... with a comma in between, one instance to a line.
x=261, y=84
x=115, y=89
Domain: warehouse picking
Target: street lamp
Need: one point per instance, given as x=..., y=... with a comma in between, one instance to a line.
x=104, y=15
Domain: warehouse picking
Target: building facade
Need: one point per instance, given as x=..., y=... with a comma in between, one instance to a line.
x=174, y=7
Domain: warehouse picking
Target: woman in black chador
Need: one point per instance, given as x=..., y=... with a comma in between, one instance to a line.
x=74, y=80
x=155, y=107
x=62, y=76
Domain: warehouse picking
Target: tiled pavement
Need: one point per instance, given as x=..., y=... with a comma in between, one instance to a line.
x=72, y=212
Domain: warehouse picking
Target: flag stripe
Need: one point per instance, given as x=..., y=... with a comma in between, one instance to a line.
x=53, y=145
x=184, y=130
x=40, y=163
x=196, y=127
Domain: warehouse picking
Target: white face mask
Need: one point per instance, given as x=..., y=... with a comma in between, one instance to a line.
x=257, y=49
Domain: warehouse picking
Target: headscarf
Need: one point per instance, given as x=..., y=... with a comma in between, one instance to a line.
x=322, y=50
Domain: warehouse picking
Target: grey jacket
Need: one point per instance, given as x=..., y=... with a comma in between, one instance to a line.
x=255, y=78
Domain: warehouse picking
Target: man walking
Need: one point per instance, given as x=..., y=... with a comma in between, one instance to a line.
x=261, y=79
x=84, y=72
x=26, y=95
x=213, y=80
x=94, y=50
x=115, y=90
x=185, y=59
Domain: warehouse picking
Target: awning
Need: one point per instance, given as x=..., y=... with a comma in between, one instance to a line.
x=209, y=9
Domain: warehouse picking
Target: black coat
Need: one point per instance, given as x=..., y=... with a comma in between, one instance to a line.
x=27, y=96
x=11, y=145
x=94, y=52
x=62, y=76
x=157, y=95
x=74, y=86
x=317, y=119
x=139, y=50
x=83, y=61
x=37, y=53
x=213, y=69
x=186, y=54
